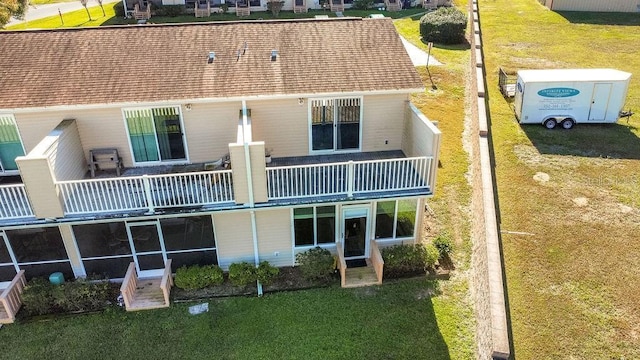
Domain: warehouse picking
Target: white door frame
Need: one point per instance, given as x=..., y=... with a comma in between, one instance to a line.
x=4, y=284
x=335, y=126
x=134, y=252
x=353, y=212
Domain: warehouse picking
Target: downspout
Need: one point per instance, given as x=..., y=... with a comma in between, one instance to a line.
x=247, y=156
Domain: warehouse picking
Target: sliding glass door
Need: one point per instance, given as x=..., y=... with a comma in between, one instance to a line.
x=155, y=134
x=335, y=124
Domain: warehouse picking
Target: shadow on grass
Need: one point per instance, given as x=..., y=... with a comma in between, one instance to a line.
x=601, y=18
x=615, y=141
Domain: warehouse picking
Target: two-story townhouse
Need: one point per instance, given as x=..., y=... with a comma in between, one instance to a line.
x=353, y=159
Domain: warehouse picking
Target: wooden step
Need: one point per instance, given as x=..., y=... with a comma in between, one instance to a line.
x=148, y=295
x=360, y=276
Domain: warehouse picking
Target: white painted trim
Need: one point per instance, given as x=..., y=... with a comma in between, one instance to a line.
x=12, y=255
x=169, y=102
x=134, y=252
x=356, y=212
x=77, y=250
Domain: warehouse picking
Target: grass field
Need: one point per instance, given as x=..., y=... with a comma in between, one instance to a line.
x=400, y=320
x=573, y=283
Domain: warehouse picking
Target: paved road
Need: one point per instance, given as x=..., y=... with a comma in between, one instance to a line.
x=41, y=11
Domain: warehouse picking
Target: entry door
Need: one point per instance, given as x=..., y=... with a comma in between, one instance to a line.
x=8, y=269
x=335, y=125
x=599, y=102
x=355, y=232
x=147, y=247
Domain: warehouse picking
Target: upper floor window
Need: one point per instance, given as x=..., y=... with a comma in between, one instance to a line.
x=155, y=134
x=335, y=124
x=10, y=143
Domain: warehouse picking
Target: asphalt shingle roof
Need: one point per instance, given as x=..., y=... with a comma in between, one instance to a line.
x=169, y=62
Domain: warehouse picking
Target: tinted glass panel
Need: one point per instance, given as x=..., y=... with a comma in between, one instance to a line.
x=150, y=262
x=44, y=270
x=187, y=233
x=38, y=244
x=385, y=211
x=406, y=218
x=7, y=272
x=4, y=252
x=105, y=239
x=192, y=258
x=145, y=238
x=111, y=268
x=326, y=216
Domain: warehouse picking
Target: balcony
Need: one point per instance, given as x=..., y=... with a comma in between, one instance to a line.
x=354, y=175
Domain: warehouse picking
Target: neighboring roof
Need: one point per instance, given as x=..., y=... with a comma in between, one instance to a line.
x=576, y=75
x=148, y=63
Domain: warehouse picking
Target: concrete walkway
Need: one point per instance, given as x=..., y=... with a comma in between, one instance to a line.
x=417, y=55
x=35, y=12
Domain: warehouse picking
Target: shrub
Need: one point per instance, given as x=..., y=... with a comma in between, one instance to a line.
x=275, y=6
x=170, y=10
x=266, y=273
x=40, y=297
x=431, y=255
x=242, y=274
x=37, y=298
x=362, y=4
x=198, y=277
x=442, y=242
x=224, y=7
x=316, y=264
x=119, y=9
x=444, y=26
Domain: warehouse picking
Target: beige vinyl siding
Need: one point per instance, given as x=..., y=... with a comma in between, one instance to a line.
x=65, y=153
x=274, y=236
x=234, y=239
x=382, y=120
x=596, y=5
x=421, y=138
x=34, y=127
x=209, y=129
x=283, y=125
x=39, y=183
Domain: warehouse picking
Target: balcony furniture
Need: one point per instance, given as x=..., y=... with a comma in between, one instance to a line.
x=104, y=156
x=202, y=9
x=393, y=5
x=336, y=5
x=142, y=11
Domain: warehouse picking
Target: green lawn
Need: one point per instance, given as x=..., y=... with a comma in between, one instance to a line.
x=573, y=284
x=396, y=321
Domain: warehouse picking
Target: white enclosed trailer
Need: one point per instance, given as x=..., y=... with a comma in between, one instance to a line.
x=570, y=96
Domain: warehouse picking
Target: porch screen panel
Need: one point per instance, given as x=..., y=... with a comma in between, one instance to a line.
x=10, y=143
x=7, y=268
x=169, y=133
x=142, y=135
x=322, y=119
x=348, y=118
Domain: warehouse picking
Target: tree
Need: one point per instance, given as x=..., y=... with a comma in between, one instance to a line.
x=84, y=3
x=12, y=8
x=102, y=7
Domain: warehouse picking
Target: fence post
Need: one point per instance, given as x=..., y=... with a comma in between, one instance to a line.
x=147, y=193
x=350, y=178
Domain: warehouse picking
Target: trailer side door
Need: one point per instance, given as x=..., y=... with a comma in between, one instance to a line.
x=600, y=101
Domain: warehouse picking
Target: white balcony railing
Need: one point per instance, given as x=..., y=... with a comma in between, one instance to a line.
x=146, y=192
x=14, y=202
x=347, y=178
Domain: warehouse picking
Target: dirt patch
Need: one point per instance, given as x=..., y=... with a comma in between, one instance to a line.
x=531, y=157
x=541, y=177
x=581, y=201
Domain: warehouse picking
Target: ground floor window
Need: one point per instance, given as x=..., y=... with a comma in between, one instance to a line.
x=314, y=225
x=108, y=248
x=37, y=251
x=395, y=218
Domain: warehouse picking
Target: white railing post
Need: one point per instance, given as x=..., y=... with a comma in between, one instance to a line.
x=147, y=192
x=350, y=178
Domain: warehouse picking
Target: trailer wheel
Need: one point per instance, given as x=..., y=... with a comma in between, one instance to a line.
x=567, y=124
x=550, y=123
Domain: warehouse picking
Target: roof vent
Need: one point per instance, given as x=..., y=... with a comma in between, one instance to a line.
x=212, y=56
x=274, y=55
x=245, y=48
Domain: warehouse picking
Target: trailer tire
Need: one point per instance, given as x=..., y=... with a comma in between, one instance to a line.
x=567, y=123
x=550, y=123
